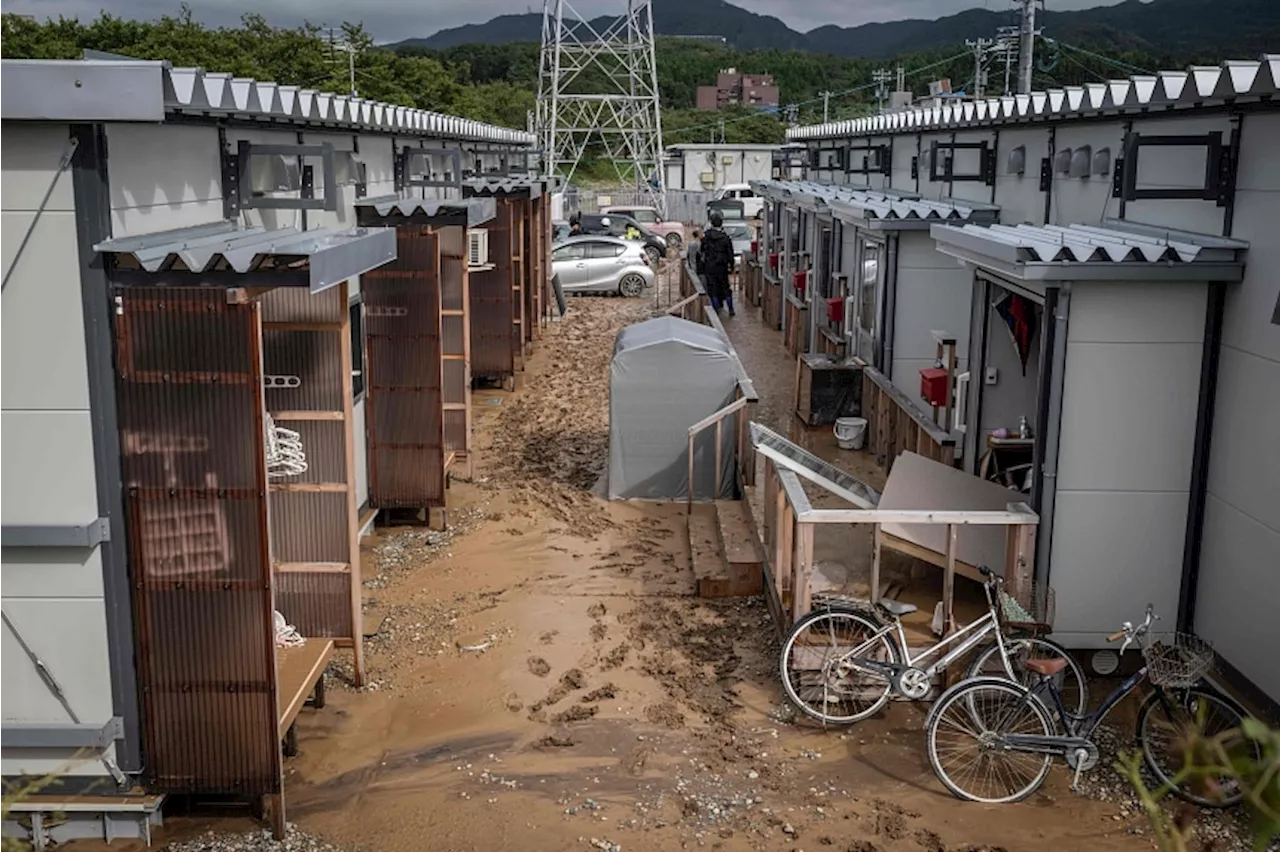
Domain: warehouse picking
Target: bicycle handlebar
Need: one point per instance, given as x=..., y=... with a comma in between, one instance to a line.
x=1130, y=633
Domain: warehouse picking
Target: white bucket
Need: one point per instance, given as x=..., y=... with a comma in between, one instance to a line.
x=851, y=432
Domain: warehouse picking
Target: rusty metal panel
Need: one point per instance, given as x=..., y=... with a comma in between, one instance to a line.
x=191, y=421
x=404, y=406
x=493, y=307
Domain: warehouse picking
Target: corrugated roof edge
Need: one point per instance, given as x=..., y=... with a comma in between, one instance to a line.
x=1234, y=79
x=478, y=210
x=90, y=90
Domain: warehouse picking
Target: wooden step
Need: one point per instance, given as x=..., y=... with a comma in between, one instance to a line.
x=742, y=549
x=710, y=571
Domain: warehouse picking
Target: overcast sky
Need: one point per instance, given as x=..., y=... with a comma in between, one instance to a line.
x=393, y=20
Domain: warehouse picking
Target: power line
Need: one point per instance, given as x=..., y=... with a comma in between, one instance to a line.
x=1098, y=56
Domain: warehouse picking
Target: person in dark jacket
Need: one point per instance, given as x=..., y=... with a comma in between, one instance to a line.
x=717, y=263
x=694, y=250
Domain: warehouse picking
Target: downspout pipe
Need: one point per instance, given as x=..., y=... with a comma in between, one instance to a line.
x=1209, y=362
x=890, y=304
x=1052, y=429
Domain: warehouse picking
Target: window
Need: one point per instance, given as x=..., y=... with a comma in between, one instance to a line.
x=573, y=252
x=356, y=313
x=746, y=193
x=648, y=216
x=868, y=297
x=603, y=250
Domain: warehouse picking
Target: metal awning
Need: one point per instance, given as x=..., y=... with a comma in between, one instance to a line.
x=223, y=254
x=1113, y=251
x=519, y=187
x=427, y=211
x=884, y=211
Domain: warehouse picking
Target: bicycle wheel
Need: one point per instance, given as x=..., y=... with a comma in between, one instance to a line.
x=1071, y=682
x=965, y=735
x=1164, y=729
x=819, y=680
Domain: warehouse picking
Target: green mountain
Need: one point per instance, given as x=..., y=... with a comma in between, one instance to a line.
x=1182, y=29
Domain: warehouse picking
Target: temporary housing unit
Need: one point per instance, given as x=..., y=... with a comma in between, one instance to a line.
x=181, y=258
x=709, y=167
x=1188, y=153
x=1117, y=313
x=418, y=334
x=509, y=287
x=667, y=375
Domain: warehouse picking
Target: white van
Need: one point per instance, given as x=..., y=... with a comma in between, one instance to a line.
x=752, y=204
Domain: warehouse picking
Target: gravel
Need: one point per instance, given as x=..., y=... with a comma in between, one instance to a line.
x=255, y=841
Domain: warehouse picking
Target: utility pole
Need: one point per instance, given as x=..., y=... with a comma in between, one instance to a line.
x=881, y=77
x=791, y=113
x=826, y=106
x=979, y=48
x=1026, y=44
x=902, y=79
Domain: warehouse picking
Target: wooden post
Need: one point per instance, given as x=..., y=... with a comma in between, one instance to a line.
x=801, y=597
x=690, y=500
x=873, y=594
x=1020, y=548
x=353, y=508
x=779, y=524
x=949, y=583
x=719, y=457
x=786, y=547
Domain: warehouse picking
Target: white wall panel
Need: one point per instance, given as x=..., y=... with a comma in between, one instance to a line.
x=48, y=474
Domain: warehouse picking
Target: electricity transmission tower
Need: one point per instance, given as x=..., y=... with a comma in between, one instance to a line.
x=598, y=95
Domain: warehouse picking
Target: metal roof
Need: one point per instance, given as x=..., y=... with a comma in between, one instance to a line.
x=332, y=255
x=1115, y=251
x=477, y=210
x=105, y=90
x=1233, y=80
x=525, y=187
x=881, y=209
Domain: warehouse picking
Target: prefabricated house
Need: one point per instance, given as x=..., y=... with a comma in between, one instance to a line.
x=184, y=412
x=709, y=167
x=1124, y=311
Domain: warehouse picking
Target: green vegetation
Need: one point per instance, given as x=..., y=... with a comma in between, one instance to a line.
x=497, y=83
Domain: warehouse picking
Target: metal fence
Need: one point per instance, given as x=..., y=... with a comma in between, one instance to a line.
x=683, y=205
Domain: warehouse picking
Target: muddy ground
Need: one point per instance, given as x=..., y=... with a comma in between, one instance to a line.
x=543, y=678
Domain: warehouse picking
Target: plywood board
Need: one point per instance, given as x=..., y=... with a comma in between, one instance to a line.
x=920, y=483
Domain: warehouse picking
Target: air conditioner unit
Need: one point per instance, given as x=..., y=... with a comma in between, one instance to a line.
x=478, y=249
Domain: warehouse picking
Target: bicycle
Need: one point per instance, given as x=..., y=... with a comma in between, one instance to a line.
x=1009, y=721
x=839, y=682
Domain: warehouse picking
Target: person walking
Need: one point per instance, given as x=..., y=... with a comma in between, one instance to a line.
x=717, y=262
x=693, y=251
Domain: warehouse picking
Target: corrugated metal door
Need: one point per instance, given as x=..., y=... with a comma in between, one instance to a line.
x=405, y=425
x=189, y=374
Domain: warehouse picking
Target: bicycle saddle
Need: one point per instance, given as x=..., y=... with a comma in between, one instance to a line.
x=1047, y=668
x=897, y=608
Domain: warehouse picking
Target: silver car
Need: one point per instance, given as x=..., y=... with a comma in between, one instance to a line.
x=600, y=264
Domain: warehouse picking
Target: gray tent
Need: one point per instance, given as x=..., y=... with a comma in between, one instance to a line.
x=667, y=374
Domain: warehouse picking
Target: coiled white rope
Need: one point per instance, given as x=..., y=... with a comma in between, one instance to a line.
x=285, y=456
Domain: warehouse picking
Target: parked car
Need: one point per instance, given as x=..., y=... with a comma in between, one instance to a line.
x=615, y=225
x=559, y=230
x=742, y=234
x=672, y=232
x=752, y=204
x=601, y=264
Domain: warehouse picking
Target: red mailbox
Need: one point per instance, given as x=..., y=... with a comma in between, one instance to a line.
x=799, y=280
x=935, y=386
x=835, y=310
x=755, y=247
x=773, y=261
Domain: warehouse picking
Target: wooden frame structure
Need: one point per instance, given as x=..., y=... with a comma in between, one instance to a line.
x=788, y=535
x=508, y=299
x=418, y=395
x=895, y=423
x=216, y=330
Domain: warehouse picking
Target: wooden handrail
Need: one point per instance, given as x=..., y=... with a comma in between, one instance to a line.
x=678, y=307
x=711, y=419
x=936, y=432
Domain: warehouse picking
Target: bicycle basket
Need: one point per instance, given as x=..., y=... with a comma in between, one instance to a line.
x=1035, y=617
x=1178, y=659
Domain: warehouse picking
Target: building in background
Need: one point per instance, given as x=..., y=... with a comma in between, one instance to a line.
x=709, y=167
x=733, y=88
